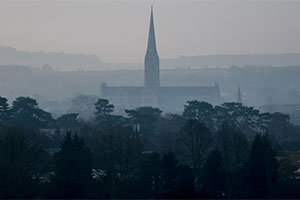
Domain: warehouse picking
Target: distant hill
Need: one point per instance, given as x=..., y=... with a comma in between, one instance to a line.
x=61, y=61
x=229, y=60
x=288, y=59
x=74, y=62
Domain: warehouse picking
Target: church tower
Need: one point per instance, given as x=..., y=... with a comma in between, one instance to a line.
x=151, y=63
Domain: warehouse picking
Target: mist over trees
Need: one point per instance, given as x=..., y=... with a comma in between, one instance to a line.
x=224, y=126
x=207, y=152
x=57, y=91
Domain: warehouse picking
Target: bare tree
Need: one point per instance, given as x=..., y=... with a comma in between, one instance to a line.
x=196, y=140
x=84, y=105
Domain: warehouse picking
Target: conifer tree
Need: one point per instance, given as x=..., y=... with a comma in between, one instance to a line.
x=4, y=110
x=73, y=169
x=262, y=168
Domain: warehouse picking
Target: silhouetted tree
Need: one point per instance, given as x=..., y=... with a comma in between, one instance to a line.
x=4, y=110
x=169, y=128
x=185, y=183
x=233, y=148
x=278, y=125
x=213, y=178
x=177, y=181
x=103, y=108
x=115, y=155
x=84, y=106
x=23, y=162
x=169, y=174
x=68, y=121
x=262, y=168
x=104, y=118
x=162, y=177
x=146, y=117
x=240, y=149
x=149, y=183
x=196, y=141
x=201, y=111
x=25, y=112
x=73, y=169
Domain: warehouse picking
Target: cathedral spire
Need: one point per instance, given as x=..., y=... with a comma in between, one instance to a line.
x=239, y=97
x=151, y=73
x=151, y=48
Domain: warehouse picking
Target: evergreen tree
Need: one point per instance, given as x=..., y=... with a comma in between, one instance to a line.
x=213, y=178
x=147, y=118
x=73, y=169
x=201, y=111
x=103, y=108
x=4, y=110
x=68, y=121
x=104, y=118
x=26, y=112
x=262, y=168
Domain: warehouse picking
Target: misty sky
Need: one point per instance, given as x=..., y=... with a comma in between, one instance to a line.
x=117, y=31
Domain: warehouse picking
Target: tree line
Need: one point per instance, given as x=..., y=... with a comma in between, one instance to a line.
x=227, y=151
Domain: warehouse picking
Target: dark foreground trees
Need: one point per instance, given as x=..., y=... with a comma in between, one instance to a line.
x=73, y=169
x=262, y=168
x=4, y=110
x=117, y=158
x=169, y=156
x=23, y=160
x=213, y=180
x=26, y=112
x=196, y=141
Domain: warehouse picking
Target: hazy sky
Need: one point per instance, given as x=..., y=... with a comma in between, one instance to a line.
x=116, y=31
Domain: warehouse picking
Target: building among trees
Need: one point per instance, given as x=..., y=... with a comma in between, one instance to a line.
x=152, y=94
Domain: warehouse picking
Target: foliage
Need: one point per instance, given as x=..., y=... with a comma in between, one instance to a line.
x=213, y=180
x=103, y=108
x=73, y=169
x=234, y=149
x=104, y=118
x=68, y=121
x=25, y=112
x=4, y=110
x=196, y=141
x=23, y=162
x=201, y=111
x=116, y=154
x=207, y=152
x=146, y=117
x=248, y=119
x=262, y=168
x=168, y=132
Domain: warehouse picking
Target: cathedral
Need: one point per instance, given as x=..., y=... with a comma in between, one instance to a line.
x=169, y=99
